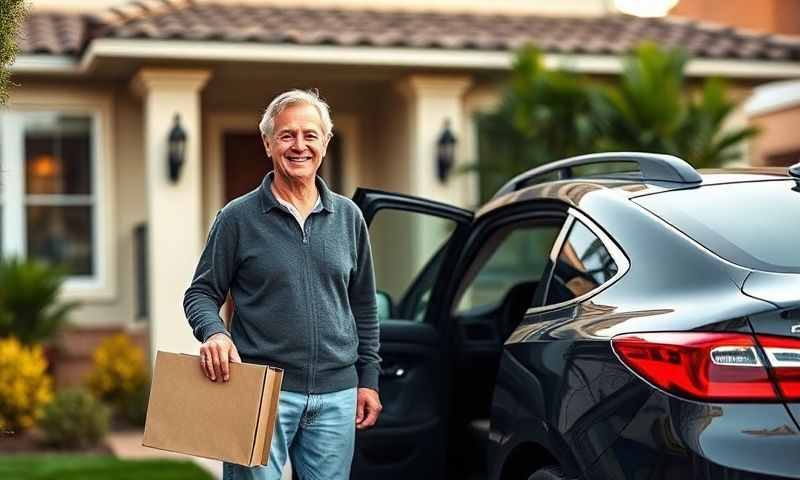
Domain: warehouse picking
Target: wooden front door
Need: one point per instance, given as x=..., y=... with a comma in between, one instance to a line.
x=246, y=163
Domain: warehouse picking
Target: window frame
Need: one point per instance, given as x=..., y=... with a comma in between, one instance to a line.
x=101, y=286
x=617, y=254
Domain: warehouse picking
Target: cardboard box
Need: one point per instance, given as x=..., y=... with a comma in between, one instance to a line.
x=231, y=421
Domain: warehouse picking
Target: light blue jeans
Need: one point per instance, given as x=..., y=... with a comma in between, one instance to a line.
x=317, y=432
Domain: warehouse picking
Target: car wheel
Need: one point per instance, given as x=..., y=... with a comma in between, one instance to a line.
x=548, y=473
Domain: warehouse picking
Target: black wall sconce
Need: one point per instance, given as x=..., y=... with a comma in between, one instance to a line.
x=177, y=149
x=445, y=152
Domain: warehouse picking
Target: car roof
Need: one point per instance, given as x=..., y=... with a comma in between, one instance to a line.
x=572, y=190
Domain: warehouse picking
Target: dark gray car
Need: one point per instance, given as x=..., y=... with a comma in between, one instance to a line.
x=643, y=324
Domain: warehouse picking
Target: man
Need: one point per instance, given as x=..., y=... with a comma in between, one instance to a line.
x=296, y=259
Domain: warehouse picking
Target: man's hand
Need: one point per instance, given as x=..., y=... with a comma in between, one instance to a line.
x=215, y=354
x=368, y=408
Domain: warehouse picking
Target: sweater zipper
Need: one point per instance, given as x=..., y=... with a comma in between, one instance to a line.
x=311, y=307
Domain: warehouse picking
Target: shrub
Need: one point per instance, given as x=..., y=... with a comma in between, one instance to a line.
x=119, y=371
x=75, y=419
x=134, y=407
x=29, y=308
x=25, y=387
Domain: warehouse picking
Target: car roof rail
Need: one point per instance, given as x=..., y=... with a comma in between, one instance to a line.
x=655, y=167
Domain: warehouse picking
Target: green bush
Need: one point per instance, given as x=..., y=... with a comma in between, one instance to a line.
x=29, y=308
x=134, y=406
x=75, y=419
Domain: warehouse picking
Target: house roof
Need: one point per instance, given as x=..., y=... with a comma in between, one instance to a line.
x=69, y=33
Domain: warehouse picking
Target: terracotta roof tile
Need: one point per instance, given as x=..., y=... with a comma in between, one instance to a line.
x=61, y=33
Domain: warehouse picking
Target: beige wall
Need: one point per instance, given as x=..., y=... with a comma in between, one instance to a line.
x=778, y=134
x=130, y=196
x=776, y=16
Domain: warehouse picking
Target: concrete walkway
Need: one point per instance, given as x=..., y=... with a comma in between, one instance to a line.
x=128, y=444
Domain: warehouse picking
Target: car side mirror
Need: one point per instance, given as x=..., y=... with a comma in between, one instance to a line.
x=385, y=306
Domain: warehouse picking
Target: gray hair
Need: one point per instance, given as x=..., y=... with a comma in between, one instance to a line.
x=294, y=97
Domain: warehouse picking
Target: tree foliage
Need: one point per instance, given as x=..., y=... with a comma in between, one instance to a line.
x=546, y=115
x=11, y=15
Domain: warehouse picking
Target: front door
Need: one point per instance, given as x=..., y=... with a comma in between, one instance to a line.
x=414, y=244
x=246, y=163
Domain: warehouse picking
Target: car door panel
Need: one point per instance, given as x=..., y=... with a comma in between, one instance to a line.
x=408, y=438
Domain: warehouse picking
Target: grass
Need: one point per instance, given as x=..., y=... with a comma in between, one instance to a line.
x=96, y=467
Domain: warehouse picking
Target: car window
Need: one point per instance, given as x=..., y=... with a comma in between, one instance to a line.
x=407, y=250
x=583, y=264
x=512, y=256
x=753, y=224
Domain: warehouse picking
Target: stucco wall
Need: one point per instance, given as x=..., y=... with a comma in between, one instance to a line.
x=129, y=190
x=778, y=134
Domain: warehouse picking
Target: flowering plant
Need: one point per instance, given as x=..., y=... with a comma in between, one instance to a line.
x=25, y=387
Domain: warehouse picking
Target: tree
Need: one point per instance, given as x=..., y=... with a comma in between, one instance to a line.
x=651, y=109
x=11, y=14
x=547, y=115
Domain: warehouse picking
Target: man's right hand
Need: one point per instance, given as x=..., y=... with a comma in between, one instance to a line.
x=215, y=355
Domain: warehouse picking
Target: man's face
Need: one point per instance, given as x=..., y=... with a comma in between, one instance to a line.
x=297, y=145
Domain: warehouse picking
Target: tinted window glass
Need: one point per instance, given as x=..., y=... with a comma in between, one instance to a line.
x=756, y=224
x=583, y=264
x=407, y=251
x=515, y=256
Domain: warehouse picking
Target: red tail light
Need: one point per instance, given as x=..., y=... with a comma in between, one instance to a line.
x=707, y=366
x=783, y=354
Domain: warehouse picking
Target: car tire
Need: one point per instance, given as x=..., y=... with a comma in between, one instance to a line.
x=551, y=472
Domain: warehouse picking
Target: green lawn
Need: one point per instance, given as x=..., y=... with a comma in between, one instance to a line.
x=81, y=467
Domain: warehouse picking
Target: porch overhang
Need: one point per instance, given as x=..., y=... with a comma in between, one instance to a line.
x=180, y=51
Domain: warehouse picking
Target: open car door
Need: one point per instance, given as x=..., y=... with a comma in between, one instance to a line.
x=414, y=244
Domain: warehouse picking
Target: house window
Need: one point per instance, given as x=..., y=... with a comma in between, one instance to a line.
x=48, y=208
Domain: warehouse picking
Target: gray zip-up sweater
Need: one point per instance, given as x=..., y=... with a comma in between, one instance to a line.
x=303, y=302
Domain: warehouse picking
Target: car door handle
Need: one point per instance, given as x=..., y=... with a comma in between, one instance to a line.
x=394, y=372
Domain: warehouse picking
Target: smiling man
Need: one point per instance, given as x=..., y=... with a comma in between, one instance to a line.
x=296, y=259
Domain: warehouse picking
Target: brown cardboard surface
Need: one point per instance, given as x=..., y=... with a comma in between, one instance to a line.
x=267, y=416
x=188, y=413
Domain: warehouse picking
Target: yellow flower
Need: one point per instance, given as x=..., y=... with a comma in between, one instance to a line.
x=25, y=387
x=119, y=369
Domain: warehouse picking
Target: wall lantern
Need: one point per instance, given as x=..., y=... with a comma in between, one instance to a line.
x=445, y=152
x=177, y=149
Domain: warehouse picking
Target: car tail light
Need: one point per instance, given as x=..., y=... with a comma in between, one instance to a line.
x=708, y=366
x=783, y=354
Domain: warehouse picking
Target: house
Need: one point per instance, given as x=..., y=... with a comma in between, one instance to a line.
x=85, y=135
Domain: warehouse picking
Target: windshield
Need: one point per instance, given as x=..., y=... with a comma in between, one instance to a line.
x=753, y=224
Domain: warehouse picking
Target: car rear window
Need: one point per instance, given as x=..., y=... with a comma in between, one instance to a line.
x=752, y=224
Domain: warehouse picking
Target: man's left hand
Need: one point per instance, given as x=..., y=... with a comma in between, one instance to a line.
x=368, y=408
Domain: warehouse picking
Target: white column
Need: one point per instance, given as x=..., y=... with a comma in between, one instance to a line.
x=433, y=100
x=174, y=209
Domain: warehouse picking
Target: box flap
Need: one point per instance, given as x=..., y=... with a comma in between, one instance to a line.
x=267, y=416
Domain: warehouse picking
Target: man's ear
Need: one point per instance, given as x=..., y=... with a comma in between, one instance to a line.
x=265, y=141
x=325, y=145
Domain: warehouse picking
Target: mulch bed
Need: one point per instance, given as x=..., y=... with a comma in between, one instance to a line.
x=29, y=442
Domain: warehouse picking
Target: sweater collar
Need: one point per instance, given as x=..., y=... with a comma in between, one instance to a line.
x=268, y=200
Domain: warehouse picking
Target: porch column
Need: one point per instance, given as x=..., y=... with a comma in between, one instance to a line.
x=432, y=101
x=174, y=210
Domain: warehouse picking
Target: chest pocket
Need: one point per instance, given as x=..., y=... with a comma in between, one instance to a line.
x=336, y=257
